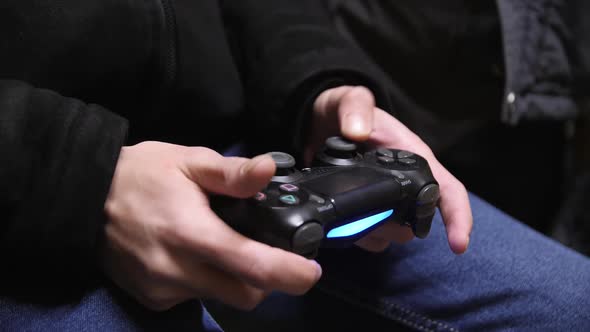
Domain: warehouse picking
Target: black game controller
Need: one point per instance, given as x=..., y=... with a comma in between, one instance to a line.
x=342, y=197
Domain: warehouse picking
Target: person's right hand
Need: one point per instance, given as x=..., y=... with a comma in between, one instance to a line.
x=164, y=245
x=351, y=112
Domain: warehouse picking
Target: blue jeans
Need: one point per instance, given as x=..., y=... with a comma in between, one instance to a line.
x=511, y=278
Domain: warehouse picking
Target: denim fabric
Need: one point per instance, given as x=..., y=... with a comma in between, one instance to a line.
x=106, y=309
x=512, y=278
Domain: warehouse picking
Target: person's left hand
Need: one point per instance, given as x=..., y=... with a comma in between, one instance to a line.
x=350, y=112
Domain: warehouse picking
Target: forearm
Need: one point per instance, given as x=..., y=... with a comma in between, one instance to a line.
x=59, y=155
x=288, y=54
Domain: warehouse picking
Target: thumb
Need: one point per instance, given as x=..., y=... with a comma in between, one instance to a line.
x=231, y=176
x=354, y=107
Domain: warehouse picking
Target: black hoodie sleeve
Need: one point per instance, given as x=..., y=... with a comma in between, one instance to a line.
x=288, y=53
x=58, y=158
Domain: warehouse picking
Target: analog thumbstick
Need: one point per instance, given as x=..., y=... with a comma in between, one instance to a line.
x=337, y=151
x=285, y=163
x=339, y=147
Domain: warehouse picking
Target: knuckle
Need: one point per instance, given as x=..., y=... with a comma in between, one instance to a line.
x=160, y=298
x=156, y=304
x=171, y=232
x=307, y=282
x=156, y=296
x=204, y=154
x=260, y=273
x=461, y=187
x=374, y=244
x=156, y=268
x=178, y=238
x=306, y=279
x=250, y=301
x=201, y=150
x=404, y=237
x=379, y=247
x=360, y=92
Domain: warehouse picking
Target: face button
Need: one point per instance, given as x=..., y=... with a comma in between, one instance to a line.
x=404, y=154
x=407, y=161
x=399, y=175
x=316, y=199
x=261, y=197
x=289, y=199
x=385, y=160
x=288, y=188
x=382, y=152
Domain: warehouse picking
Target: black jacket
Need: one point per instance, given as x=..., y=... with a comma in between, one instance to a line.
x=459, y=65
x=539, y=50
x=80, y=79
x=488, y=85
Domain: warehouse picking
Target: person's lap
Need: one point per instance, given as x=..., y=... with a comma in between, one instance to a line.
x=510, y=278
x=105, y=309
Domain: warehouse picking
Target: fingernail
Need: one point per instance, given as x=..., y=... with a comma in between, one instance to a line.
x=357, y=126
x=461, y=249
x=318, y=269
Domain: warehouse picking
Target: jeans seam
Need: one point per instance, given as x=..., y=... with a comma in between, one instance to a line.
x=393, y=311
x=389, y=312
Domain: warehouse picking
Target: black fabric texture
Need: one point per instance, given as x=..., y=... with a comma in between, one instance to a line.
x=79, y=80
x=453, y=66
x=58, y=156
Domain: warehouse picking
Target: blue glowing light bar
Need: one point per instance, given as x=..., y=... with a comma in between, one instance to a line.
x=358, y=226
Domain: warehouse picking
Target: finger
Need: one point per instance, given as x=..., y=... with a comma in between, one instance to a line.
x=206, y=281
x=233, y=176
x=373, y=244
x=393, y=232
x=454, y=202
x=456, y=210
x=380, y=238
x=270, y=268
x=391, y=132
x=258, y=264
x=356, y=114
x=354, y=107
x=173, y=298
x=185, y=279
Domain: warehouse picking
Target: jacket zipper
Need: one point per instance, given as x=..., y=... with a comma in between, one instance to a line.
x=170, y=46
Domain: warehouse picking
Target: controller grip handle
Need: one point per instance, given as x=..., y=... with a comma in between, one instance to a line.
x=263, y=226
x=426, y=202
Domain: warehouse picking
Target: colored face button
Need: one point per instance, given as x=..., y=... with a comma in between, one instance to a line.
x=260, y=197
x=288, y=188
x=289, y=199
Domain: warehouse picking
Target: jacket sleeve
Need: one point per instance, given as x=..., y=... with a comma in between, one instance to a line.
x=58, y=158
x=288, y=53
